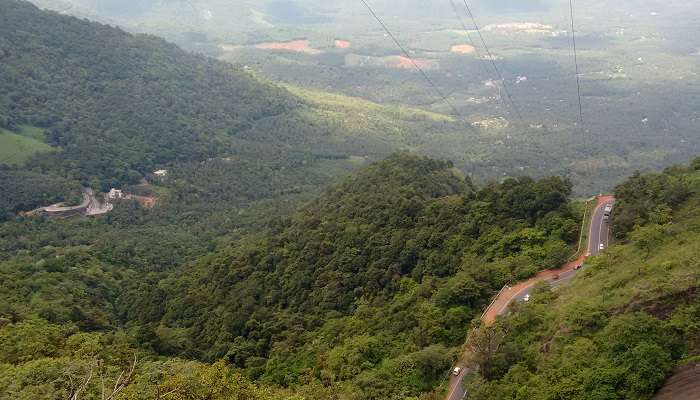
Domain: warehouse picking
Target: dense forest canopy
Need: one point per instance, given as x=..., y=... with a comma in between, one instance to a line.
x=120, y=105
x=367, y=292
x=402, y=226
x=386, y=269
x=25, y=190
x=117, y=106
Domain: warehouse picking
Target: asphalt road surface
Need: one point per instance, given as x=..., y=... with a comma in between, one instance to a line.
x=456, y=388
x=600, y=230
x=599, y=233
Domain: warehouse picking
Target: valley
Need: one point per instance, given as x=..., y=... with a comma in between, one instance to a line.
x=633, y=66
x=307, y=200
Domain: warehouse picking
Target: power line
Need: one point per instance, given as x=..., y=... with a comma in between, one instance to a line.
x=482, y=61
x=578, y=79
x=493, y=63
x=469, y=37
x=408, y=56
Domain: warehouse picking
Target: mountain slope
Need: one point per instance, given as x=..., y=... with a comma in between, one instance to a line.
x=365, y=292
x=395, y=260
x=630, y=317
x=117, y=104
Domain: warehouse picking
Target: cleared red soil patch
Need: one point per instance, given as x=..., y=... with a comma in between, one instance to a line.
x=682, y=385
x=463, y=49
x=299, y=46
x=342, y=44
x=146, y=202
x=506, y=296
x=395, y=62
x=406, y=63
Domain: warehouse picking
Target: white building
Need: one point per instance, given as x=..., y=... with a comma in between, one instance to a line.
x=115, y=194
x=161, y=173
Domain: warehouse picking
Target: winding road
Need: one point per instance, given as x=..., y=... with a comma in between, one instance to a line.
x=90, y=206
x=599, y=233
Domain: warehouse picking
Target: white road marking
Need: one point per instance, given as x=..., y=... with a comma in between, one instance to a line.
x=600, y=233
x=459, y=382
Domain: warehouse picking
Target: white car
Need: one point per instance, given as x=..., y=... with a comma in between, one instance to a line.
x=456, y=371
x=527, y=297
x=602, y=246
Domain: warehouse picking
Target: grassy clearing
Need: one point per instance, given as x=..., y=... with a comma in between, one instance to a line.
x=338, y=102
x=16, y=149
x=32, y=132
x=389, y=127
x=623, y=279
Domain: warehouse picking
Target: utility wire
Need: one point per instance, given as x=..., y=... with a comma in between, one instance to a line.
x=493, y=63
x=578, y=78
x=408, y=56
x=469, y=37
x=482, y=61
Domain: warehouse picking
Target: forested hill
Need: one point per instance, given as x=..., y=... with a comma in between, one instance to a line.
x=116, y=104
x=368, y=289
x=367, y=293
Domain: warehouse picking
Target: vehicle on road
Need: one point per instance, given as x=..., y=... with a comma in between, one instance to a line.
x=578, y=267
x=456, y=371
x=527, y=297
x=602, y=246
x=607, y=211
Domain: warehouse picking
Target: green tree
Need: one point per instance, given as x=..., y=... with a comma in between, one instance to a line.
x=647, y=237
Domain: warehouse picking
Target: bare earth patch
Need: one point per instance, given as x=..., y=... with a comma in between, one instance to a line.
x=529, y=28
x=146, y=202
x=422, y=63
x=394, y=62
x=299, y=46
x=342, y=44
x=462, y=49
x=683, y=385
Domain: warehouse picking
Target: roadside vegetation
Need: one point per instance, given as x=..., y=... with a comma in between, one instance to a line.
x=627, y=321
x=586, y=209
